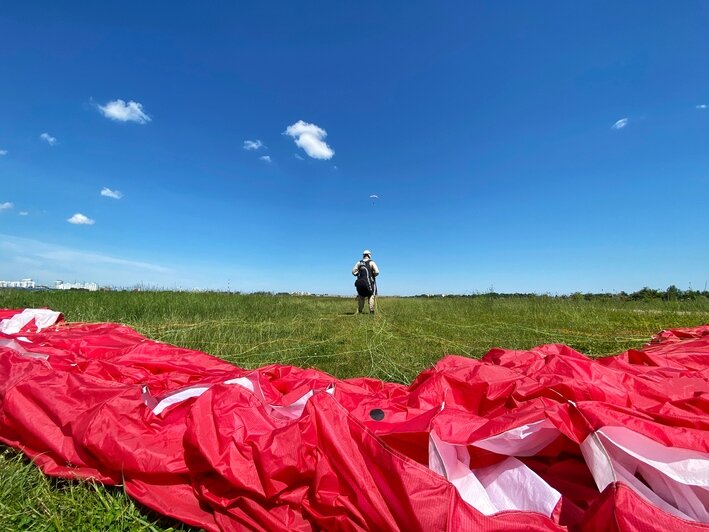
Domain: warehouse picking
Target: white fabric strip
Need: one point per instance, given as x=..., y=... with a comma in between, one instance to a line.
x=526, y=440
x=249, y=382
x=295, y=410
x=11, y=344
x=43, y=318
x=178, y=397
x=244, y=382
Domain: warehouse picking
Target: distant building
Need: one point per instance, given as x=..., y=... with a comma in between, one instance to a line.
x=22, y=283
x=61, y=285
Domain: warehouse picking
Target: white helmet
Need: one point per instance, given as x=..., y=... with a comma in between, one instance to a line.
x=366, y=252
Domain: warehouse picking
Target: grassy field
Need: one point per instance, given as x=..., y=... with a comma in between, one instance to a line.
x=407, y=336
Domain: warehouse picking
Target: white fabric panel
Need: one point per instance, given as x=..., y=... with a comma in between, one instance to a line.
x=295, y=410
x=598, y=462
x=508, y=485
x=678, y=479
x=526, y=440
x=513, y=486
x=43, y=318
x=690, y=500
x=682, y=465
x=443, y=459
x=628, y=478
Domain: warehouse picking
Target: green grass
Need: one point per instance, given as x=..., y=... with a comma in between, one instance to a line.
x=407, y=336
x=31, y=501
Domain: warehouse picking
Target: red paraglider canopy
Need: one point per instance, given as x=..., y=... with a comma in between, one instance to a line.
x=545, y=439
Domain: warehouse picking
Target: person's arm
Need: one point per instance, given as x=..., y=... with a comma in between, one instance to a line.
x=375, y=269
x=355, y=269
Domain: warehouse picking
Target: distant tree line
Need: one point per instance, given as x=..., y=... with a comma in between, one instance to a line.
x=671, y=293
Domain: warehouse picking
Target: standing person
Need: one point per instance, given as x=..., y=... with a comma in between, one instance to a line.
x=366, y=271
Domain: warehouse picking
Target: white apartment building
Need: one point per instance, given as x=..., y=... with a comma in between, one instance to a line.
x=22, y=283
x=61, y=285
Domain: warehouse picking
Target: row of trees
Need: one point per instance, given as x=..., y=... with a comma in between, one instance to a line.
x=671, y=293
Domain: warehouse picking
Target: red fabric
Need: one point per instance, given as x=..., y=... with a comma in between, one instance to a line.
x=257, y=453
x=619, y=508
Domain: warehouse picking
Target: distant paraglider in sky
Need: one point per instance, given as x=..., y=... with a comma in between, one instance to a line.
x=374, y=198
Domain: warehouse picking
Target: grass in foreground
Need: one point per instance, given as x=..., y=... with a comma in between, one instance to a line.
x=30, y=500
x=407, y=336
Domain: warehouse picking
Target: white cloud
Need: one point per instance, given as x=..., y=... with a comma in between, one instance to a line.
x=253, y=145
x=701, y=106
x=23, y=213
x=115, y=194
x=62, y=254
x=299, y=157
x=172, y=268
x=6, y=206
x=266, y=158
x=620, y=124
x=310, y=137
x=125, y=112
x=48, y=139
x=80, y=219
x=3, y=152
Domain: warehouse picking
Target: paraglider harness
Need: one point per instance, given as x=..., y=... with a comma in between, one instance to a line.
x=365, y=284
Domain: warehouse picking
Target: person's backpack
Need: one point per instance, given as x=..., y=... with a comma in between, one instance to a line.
x=365, y=279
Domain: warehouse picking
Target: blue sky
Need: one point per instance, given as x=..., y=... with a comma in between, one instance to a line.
x=513, y=145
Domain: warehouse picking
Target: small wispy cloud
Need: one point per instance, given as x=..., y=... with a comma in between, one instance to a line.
x=3, y=152
x=125, y=112
x=299, y=157
x=266, y=158
x=620, y=124
x=49, y=261
x=701, y=106
x=310, y=137
x=23, y=213
x=80, y=219
x=6, y=206
x=253, y=145
x=115, y=194
x=48, y=139
x=74, y=256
